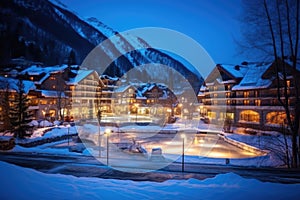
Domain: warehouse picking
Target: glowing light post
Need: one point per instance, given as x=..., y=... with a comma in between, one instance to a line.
x=99, y=140
x=107, y=131
x=182, y=157
x=99, y=131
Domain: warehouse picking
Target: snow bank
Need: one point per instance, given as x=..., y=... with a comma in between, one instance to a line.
x=23, y=183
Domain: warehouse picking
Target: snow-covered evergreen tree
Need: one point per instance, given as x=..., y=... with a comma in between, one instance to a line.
x=4, y=103
x=19, y=113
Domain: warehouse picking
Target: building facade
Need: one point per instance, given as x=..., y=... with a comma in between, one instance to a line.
x=246, y=96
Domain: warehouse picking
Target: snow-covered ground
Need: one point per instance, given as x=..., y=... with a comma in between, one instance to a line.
x=90, y=132
x=273, y=142
x=23, y=183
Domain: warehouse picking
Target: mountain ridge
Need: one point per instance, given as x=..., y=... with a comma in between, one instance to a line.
x=45, y=32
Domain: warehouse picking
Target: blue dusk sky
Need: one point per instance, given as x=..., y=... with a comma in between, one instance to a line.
x=213, y=24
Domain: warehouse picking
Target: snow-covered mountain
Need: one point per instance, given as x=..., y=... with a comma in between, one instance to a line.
x=46, y=31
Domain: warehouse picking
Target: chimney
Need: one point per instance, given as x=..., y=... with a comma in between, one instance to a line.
x=237, y=67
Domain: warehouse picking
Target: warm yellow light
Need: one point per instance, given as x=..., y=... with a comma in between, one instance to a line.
x=107, y=131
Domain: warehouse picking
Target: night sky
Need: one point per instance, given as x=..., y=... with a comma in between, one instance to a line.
x=213, y=24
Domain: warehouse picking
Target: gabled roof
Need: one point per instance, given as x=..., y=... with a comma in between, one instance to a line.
x=81, y=74
x=236, y=71
x=253, y=79
x=226, y=72
x=12, y=84
x=36, y=70
x=123, y=88
x=148, y=87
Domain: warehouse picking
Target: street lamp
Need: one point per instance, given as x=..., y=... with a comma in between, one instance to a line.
x=99, y=140
x=182, y=157
x=99, y=131
x=107, y=131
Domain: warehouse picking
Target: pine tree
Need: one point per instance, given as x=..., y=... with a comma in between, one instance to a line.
x=4, y=102
x=19, y=114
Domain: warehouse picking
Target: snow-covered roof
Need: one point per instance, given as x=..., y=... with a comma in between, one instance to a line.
x=12, y=84
x=37, y=70
x=52, y=93
x=109, y=77
x=122, y=88
x=201, y=94
x=43, y=79
x=253, y=78
x=237, y=71
x=217, y=81
x=148, y=87
x=81, y=74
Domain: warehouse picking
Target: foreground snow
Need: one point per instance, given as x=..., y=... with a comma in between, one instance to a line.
x=23, y=183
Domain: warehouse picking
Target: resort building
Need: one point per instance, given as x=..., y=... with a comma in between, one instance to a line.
x=246, y=96
x=81, y=91
x=59, y=93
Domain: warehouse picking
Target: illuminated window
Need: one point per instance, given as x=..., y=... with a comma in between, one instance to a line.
x=54, y=86
x=52, y=78
x=275, y=118
x=246, y=102
x=230, y=116
x=288, y=83
x=215, y=95
x=228, y=102
x=212, y=115
x=257, y=102
x=249, y=116
x=31, y=78
x=246, y=94
x=52, y=112
x=72, y=87
x=43, y=102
